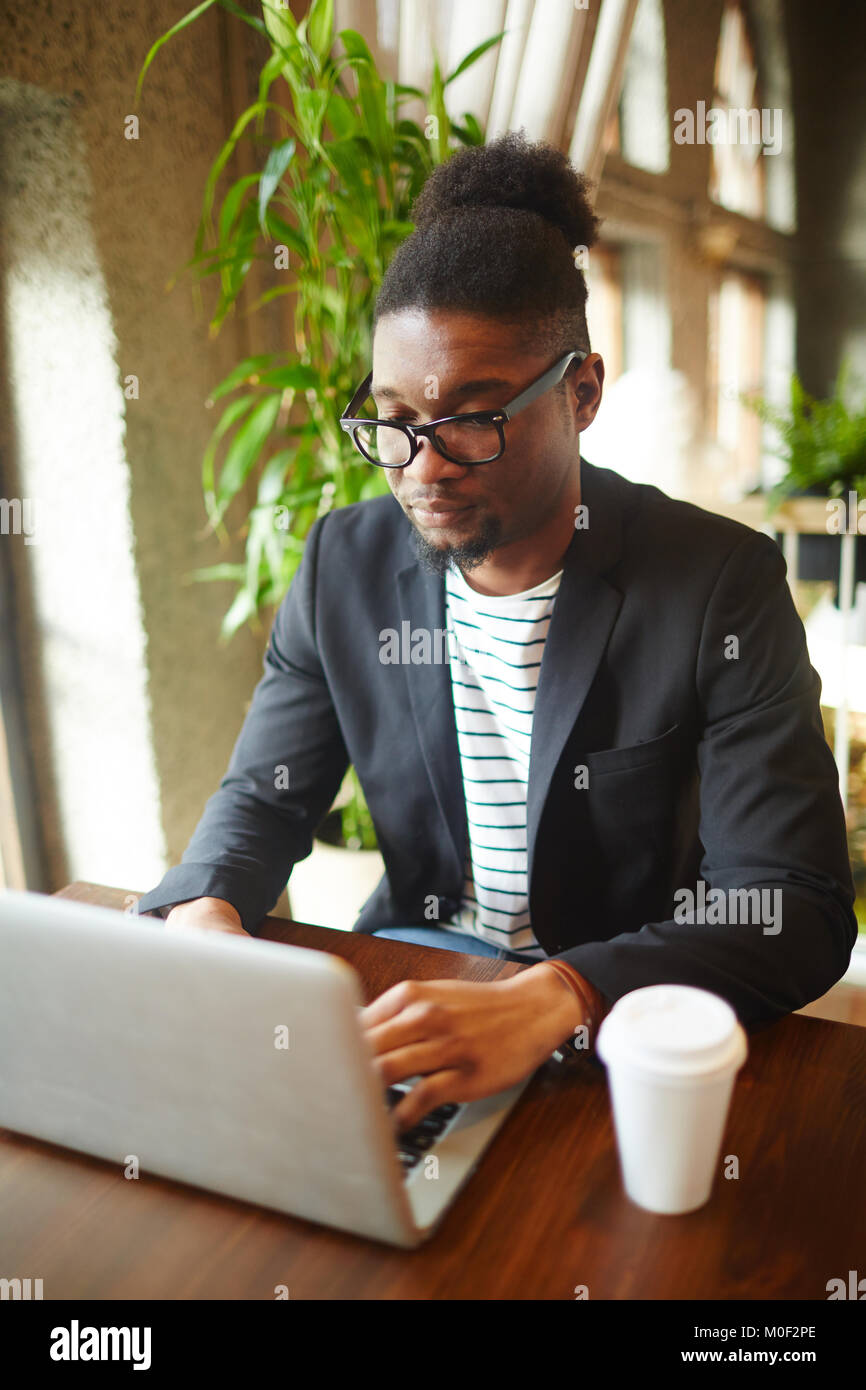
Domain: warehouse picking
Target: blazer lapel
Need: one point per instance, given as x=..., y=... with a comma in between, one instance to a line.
x=584, y=613
x=422, y=606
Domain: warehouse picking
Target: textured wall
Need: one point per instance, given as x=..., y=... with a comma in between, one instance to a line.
x=112, y=634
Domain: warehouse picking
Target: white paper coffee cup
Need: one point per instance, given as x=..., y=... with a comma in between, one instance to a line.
x=672, y=1053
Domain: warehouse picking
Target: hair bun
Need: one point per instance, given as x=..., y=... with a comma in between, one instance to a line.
x=513, y=173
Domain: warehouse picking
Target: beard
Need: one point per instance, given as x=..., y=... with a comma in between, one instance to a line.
x=466, y=555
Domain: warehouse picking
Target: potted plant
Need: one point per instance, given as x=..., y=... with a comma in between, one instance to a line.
x=823, y=442
x=339, y=168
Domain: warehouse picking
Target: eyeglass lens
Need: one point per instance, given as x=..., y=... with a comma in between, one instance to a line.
x=465, y=441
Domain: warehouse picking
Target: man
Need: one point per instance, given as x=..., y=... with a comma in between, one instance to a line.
x=626, y=717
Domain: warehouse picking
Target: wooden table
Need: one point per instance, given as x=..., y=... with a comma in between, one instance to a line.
x=544, y=1213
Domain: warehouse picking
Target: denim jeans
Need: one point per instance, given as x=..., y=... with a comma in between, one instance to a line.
x=450, y=941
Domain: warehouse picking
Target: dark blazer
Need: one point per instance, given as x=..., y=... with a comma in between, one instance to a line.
x=675, y=673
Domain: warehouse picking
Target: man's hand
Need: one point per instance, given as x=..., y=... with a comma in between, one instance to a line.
x=214, y=913
x=467, y=1040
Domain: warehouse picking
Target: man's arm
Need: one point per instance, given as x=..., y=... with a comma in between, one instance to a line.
x=284, y=773
x=771, y=817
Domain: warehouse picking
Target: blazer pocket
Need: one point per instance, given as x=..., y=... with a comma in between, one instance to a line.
x=653, y=751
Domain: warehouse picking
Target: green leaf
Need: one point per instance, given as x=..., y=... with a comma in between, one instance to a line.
x=269, y=74
x=437, y=102
x=273, y=294
x=244, y=450
x=169, y=34
x=229, y=417
x=258, y=108
x=343, y=155
x=231, y=205
x=474, y=56
x=261, y=522
x=340, y=115
x=299, y=497
x=240, y=13
x=277, y=227
x=371, y=94
x=321, y=27
x=213, y=573
x=297, y=377
x=397, y=229
x=311, y=107
x=241, y=611
x=476, y=134
x=273, y=476
x=276, y=165
x=280, y=24
x=251, y=366
x=356, y=46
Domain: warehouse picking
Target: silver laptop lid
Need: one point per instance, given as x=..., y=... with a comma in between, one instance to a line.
x=235, y=1065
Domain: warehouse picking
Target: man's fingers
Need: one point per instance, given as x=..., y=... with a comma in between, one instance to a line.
x=421, y=1057
x=426, y=1094
x=423, y=1022
x=395, y=999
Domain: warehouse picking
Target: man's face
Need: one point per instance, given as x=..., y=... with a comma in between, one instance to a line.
x=429, y=364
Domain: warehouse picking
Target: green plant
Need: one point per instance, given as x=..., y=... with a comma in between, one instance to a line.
x=339, y=171
x=823, y=442
x=356, y=825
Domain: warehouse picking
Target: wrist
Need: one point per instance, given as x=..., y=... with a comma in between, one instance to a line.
x=216, y=912
x=552, y=1000
x=595, y=1006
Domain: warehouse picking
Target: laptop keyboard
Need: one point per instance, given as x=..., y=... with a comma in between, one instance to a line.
x=414, y=1143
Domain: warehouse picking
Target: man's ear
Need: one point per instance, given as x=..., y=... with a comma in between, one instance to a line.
x=588, y=389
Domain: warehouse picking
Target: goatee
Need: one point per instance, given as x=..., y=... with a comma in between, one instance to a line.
x=466, y=555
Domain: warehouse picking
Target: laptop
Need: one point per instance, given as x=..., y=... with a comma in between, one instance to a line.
x=235, y=1065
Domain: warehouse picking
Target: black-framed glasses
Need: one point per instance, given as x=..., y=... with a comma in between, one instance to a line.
x=478, y=437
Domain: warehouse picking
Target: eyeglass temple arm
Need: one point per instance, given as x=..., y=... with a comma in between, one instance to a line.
x=544, y=383
x=359, y=397
x=556, y=373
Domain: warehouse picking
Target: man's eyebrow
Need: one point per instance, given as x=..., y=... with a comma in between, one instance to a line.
x=467, y=388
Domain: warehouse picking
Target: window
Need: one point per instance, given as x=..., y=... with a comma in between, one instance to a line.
x=644, y=138
x=736, y=364
x=604, y=307
x=737, y=169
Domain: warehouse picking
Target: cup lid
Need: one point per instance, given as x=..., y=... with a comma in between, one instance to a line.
x=672, y=1028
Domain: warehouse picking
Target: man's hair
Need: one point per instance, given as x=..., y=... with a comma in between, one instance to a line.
x=495, y=230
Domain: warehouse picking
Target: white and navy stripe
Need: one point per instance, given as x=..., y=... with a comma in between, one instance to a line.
x=495, y=649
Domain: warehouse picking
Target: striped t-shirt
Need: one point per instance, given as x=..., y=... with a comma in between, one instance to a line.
x=495, y=649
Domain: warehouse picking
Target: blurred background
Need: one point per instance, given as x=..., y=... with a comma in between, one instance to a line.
x=151, y=415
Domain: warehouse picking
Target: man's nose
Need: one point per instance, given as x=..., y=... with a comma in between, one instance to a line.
x=428, y=465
